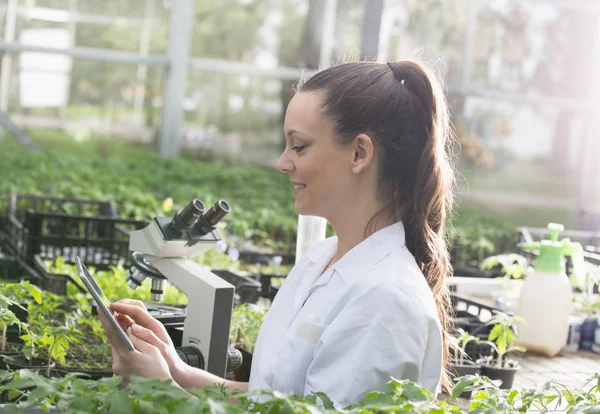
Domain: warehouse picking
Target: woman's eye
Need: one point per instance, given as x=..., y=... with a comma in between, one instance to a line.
x=298, y=148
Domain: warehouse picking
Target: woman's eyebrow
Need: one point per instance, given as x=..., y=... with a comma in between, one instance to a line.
x=296, y=132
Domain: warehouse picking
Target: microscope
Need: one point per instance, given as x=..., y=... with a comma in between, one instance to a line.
x=162, y=251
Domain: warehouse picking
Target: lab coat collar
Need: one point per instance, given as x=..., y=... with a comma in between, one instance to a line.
x=369, y=252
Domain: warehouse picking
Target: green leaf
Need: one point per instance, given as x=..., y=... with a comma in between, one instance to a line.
x=21, y=383
x=119, y=402
x=36, y=293
x=459, y=388
x=378, y=399
x=512, y=396
x=501, y=343
x=495, y=332
x=414, y=392
x=327, y=403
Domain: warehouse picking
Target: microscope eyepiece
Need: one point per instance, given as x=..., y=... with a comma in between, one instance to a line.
x=217, y=212
x=188, y=215
x=211, y=218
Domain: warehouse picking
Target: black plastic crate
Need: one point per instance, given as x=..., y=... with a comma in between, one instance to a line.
x=267, y=290
x=49, y=281
x=9, y=268
x=21, y=206
x=247, y=290
x=100, y=241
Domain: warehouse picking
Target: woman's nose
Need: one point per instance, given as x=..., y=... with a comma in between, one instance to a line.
x=284, y=164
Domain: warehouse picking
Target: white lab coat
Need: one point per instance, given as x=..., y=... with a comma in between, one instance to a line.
x=345, y=332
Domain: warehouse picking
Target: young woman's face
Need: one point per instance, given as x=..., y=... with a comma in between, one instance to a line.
x=319, y=166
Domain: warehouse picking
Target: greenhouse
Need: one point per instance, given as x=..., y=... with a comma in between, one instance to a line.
x=300, y=206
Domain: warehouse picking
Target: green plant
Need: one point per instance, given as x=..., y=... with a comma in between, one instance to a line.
x=56, y=341
x=30, y=343
x=7, y=318
x=73, y=394
x=22, y=291
x=502, y=336
x=113, y=283
x=513, y=265
x=246, y=321
x=459, y=344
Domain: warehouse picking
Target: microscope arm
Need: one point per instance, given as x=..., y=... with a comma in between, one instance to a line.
x=210, y=303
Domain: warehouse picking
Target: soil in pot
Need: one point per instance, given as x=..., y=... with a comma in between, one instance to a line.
x=466, y=368
x=505, y=374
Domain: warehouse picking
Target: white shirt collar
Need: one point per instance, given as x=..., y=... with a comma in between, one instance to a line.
x=364, y=255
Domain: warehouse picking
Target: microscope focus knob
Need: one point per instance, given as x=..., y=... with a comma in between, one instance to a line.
x=234, y=361
x=191, y=356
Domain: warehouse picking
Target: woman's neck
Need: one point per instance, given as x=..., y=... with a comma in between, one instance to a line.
x=353, y=227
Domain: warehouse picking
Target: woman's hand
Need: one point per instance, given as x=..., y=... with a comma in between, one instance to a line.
x=144, y=361
x=133, y=313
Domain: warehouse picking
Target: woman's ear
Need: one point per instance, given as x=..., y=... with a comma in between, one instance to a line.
x=362, y=153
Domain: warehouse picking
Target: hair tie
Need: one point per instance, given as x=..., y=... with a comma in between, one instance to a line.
x=397, y=71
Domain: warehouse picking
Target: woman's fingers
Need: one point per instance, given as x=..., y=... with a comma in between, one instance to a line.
x=124, y=320
x=141, y=317
x=138, y=314
x=140, y=344
x=148, y=336
x=133, y=302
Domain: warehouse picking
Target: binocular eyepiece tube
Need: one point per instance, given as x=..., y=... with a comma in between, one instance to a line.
x=195, y=215
x=217, y=212
x=185, y=218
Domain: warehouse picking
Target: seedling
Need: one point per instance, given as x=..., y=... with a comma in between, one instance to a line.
x=502, y=336
x=459, y=344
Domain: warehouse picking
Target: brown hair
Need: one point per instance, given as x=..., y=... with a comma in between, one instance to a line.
x=401, y=106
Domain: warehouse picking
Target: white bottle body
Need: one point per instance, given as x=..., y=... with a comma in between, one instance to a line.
x=545, y=304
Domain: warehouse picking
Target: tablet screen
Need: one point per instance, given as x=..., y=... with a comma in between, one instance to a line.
x=102, y=302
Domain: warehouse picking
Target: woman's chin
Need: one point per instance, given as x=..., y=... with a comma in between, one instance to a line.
x=302, y=209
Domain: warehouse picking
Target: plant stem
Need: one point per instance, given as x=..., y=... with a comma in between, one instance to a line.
x=4, y=337
x=50, y=352
x=499, y=361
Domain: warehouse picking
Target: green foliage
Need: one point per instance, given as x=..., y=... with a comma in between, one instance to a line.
x=261, y=199
x=113, y=283
x=459, y=343
x=513, y=265
x=62, y=328
x=475, y=238
x=502, y=336
x=72, y=394
x=22, y=291
x=246, y=321
x=7, y=318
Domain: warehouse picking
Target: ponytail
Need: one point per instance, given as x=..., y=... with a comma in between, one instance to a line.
x=427, y=211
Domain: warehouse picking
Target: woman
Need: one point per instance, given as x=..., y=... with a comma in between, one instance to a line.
x=367, y=149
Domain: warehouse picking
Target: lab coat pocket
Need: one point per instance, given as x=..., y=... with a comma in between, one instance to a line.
x=296, y=355
x=309, y=331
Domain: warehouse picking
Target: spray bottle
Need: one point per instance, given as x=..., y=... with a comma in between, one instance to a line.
x=545, y=302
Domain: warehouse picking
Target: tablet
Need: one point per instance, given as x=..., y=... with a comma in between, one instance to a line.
x=102, y=302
